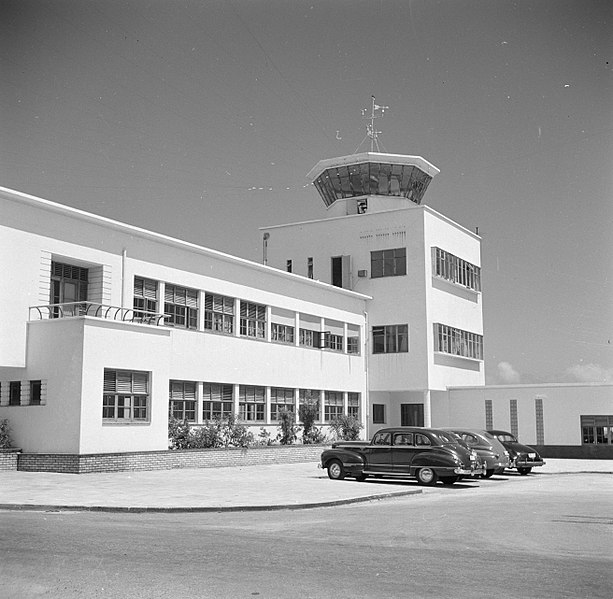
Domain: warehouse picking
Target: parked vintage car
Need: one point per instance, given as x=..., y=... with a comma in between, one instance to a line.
x=426, y=454
x=488, y=448
x=522, y=457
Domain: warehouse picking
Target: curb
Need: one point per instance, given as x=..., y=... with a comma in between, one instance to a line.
x=26, y=507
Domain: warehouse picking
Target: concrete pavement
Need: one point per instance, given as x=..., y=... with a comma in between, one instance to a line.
x=266, y=487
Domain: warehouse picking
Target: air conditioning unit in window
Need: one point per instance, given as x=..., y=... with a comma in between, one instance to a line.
x=362, y=273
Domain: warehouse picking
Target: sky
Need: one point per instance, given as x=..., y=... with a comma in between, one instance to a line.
x=201, y=119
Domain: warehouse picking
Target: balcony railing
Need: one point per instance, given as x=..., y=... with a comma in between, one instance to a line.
x=72, y=309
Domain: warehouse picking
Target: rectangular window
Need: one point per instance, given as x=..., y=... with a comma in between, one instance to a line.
x=69, y=288
x=15, y=393
x=309, y=338
x=282, y=333
x=335, y=342
x=126, y=396
x=489, y=414
x=378, y=413
x=456, y=270
x=513, y=417
x=540, y=424
x=145, y=298
x=310, y=396
x=219, y=313
x=390, y=339
x=217, y=401
x=35, y=393
x=281, y=398
x=597, y=430
x=252, y=403
x=333, y=405
x=353, y=405
x=253, y=320
x=388, y=263
x=288, y=265
x=182, y=400
x=457, y=342
x=180, y=307
x=310, y=267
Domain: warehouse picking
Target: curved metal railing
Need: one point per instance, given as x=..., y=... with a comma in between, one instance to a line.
x=73, y=309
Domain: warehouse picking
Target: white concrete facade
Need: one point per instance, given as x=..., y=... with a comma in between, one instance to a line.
x=53, y=365
x=419, y=298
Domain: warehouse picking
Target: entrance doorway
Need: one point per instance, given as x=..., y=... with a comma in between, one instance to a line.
x=411, y=414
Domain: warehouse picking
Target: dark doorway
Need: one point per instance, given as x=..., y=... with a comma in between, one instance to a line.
x=411, y=414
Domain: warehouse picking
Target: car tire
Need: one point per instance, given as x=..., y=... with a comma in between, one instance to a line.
x=336, y=470
x=524, y=471
x=426, y=476
x=488, y=473
x=449, y=480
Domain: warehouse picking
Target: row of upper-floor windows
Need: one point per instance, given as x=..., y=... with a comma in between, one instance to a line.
x=393, y=262
x=223, y=314
x=389, y=339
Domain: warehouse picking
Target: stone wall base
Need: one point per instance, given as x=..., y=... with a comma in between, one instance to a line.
x=168, y=460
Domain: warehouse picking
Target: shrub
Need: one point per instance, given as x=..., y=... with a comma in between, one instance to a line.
x=287, y=424
x=178, y=433
x=346, y=428
x=309, y=412
x=264, y=437
x=5, y=434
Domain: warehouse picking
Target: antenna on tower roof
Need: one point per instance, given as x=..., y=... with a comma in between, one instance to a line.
x=376, y=112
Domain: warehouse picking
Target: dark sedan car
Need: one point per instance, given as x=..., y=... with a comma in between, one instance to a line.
x=522, y=457
x=491, y=451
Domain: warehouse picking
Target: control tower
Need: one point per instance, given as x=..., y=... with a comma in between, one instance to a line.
x=371, y=181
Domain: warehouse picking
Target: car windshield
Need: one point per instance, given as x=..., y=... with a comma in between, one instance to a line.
x=508, y=437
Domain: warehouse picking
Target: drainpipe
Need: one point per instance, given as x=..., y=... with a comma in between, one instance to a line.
x=265, y=248
x=367, y=399
x=124, y=255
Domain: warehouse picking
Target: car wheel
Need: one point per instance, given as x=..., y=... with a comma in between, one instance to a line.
x=426, y=476
x=336, y=470
x=524, y=471
x=488, y=474
x=449, y=480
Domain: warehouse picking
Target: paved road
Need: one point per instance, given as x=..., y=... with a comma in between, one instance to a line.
x=508, y=537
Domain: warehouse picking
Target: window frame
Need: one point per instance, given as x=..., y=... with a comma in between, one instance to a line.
x=138, y=400
x=252, y=320
x=390, y=339
x=219, y=313
x=180, y=306
x=217, y=401
x=282, y=333
x=390, y=262
x=452, y=341
x=252, y=403
x=182, y=399
x=281, y=398
x=378, y=413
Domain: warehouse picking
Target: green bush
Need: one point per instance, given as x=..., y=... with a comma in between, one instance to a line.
x=346, y=428
x=219, y=432
x=287, y=424
x=309, y=413
x=5, y=435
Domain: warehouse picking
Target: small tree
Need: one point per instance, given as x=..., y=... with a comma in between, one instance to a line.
x=5, y=435
x=346, y=428
x=179, y=435
x=287, y=424
x=309, y=412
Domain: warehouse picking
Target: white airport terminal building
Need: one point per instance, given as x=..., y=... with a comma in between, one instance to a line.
x=375, y=311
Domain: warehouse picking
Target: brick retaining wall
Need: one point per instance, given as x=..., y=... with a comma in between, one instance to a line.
x=8, y=459
x=168, y=460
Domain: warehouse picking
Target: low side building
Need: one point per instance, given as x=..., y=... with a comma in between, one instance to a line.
x=106, y=328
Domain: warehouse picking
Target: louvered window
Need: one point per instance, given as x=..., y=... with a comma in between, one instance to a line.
x=145, y=298
x=454, y=341
x=125, y=396
x=68, y=289
x=217, y=400
x=281, y=398
x=182, y=400
x=353, y=405
x=219, y=313
x=282, y=333
x=253, y=320
x=180, y=307
x=252, y=403
x=333, y=405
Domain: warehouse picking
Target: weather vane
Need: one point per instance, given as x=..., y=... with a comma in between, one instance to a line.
x=376, y=112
